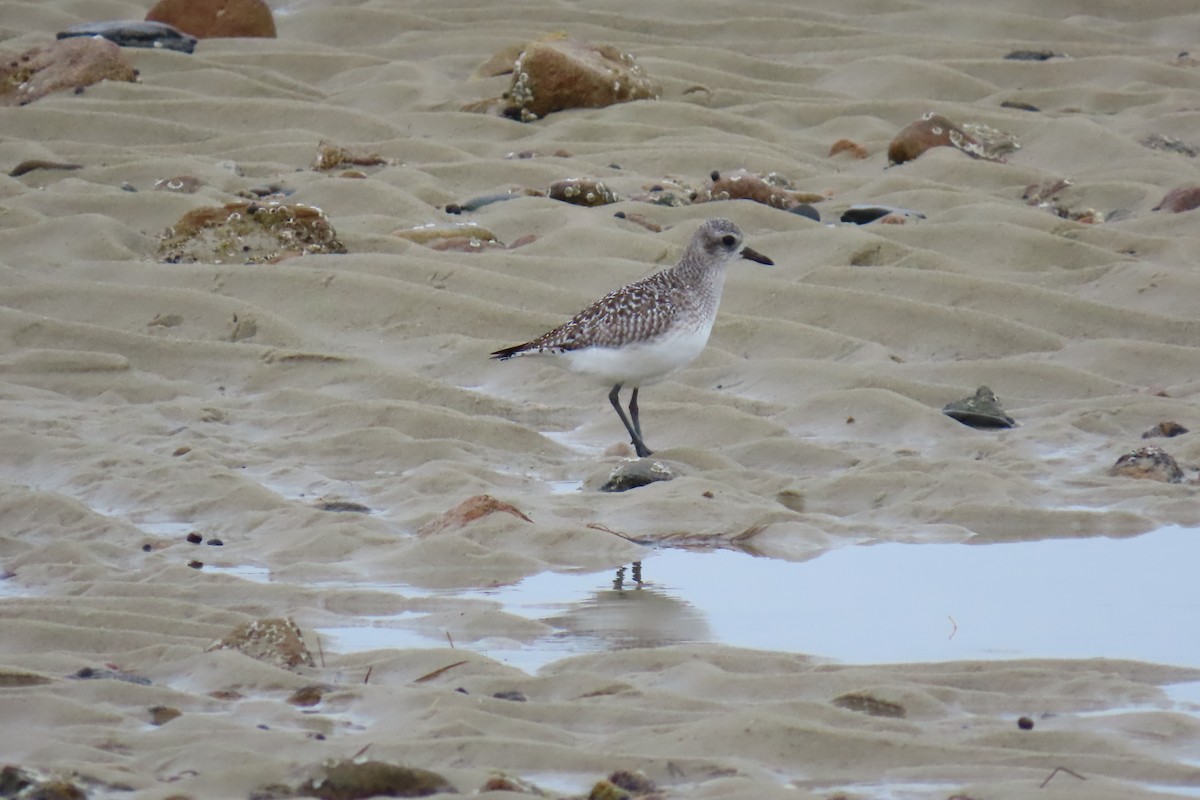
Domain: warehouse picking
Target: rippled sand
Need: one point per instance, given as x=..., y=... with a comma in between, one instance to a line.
x=143, y=401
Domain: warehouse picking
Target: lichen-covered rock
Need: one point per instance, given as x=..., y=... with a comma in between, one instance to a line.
x=980, y=410
x=209, y=19
x=557, y=72
x=248, y=232
x=61, y=65
x=1148, y=463
x=351, y=780
x=274, y=641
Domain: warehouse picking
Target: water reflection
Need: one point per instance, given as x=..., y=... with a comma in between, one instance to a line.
x=1065, y=598
x=632, y=614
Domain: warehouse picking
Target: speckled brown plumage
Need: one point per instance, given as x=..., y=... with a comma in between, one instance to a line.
x=648, y=329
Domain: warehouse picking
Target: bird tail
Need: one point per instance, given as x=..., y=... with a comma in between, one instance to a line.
x=508, y=352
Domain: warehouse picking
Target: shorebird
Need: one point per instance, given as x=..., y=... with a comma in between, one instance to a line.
x=644, y=331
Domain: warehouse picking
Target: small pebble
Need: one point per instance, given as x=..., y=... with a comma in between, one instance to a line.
x=194, y=538
x=1025, y=724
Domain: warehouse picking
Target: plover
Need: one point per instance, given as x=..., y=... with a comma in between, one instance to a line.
x=642, y=332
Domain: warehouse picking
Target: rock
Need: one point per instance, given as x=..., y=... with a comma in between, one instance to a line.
x=32, y=164
x=1176, y=201
x=135, y=33
x=507, y=783
x=476, y=203
x=183, y=184
x=1148, y=463
x=1158, y=141
x=1032, y=55
x=867, y=703
x=248, y=232
x=66, y=64
x=980, y=410
x=469, y=510
x=23, y=783
x=770, y=190
x=210, y=19
x=557, y=72
x=275, y=641
x=307, y=696
x=935, y=130
x=433, y=232
x=863, y=214
x=351, y=780
x=479, y=245
x=670, y=191
x=332, y=156
x=853, y=149
x=582, y=192
x=105, y=674
x=632, y=474
x=341, y=506
x=1165, y=428
x=640, y=219
x=1020, y=105
x=805, y=210
x=161, y=715
x=633, y=782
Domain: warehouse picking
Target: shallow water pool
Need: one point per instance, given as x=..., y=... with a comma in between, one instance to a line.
x=1131, y=598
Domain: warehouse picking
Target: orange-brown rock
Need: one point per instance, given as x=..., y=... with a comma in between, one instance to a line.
x=1185, y=198
x=934, y=130
x=770, y=190
x=210, y=19
x=557, y=72
x=854, y=149
x=63, y=64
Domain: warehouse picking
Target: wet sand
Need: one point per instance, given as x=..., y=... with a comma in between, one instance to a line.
x=144, y=401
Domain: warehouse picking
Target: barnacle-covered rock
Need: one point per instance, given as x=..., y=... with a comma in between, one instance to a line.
x=558, y=72
x=61, y=65
x=248, y=232
x=582, y=192
x=935, y=130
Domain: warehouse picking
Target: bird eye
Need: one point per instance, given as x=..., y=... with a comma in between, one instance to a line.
x=729, y=240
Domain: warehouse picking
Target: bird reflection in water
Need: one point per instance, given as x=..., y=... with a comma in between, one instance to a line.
x=619, y=580
x=633, y=613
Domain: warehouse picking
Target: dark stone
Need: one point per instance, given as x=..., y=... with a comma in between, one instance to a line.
x=805, y=210
x=135, y=33
x=980, y=410
x=864, y=214
x=1032, y=55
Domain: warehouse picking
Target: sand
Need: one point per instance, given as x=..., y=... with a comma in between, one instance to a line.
x=145, y=401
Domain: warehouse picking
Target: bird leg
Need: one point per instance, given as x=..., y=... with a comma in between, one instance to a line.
x=635, y=433
x=633, y=413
